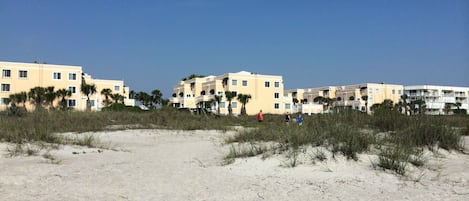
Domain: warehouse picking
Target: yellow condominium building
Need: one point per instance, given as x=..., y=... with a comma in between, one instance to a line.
x=22, y=77
x=359, y=96
x=267, y=93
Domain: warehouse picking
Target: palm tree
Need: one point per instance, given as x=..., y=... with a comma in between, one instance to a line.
x=37, y=96
x=50, y=96
x=405, y=103
x=229, y=96
x=365, y=98
x=63, y=94
x=217, y=99
x=144, y=98
x=106, y=92
x=117, y=98
x=244, y=99
x=156, y=96
x=88, y=90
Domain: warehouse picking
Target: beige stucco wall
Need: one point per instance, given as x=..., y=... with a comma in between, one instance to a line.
x=263, y=98
x=42, y=75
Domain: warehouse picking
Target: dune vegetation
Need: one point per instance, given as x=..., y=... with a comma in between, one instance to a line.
x=397, y=139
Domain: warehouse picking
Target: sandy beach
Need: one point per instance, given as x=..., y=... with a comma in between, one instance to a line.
x=188, y=165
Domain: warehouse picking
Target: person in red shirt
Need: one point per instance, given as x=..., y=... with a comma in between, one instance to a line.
x=260, y=117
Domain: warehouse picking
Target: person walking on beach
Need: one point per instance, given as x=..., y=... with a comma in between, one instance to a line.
x=287, y=118
x=299, y=120
x=260, y=117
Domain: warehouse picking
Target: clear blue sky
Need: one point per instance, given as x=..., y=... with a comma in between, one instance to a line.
x=153, y=44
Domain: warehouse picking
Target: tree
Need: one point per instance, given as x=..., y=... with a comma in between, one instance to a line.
x=365, y=98
x=117, y=98
x=229, y=96
x=405, y=103
x=37, y=96
x=448, y=107
x=50, y=96
x=295, y=101
x=63, y=94
x=88, y=90
x=418, y=106
x=244, y=99
x=106, y=92
x=144, y=98
x=192, y=76
x=156, y=96
x=217, y=99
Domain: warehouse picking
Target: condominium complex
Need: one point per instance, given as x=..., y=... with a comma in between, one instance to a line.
x=21, y=77
x=439, y=99
x=266, y=91
x=359, y=96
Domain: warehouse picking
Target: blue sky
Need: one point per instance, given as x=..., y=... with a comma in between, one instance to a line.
x=153, y=44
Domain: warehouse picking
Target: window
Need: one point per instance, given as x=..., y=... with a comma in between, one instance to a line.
x=72, y=89
x=72, y=76
x=245, y=83
x=393, y=91
x=399, y=91
x=377, y=91
x=276, y=84
x=276, y=106
x=57, y=75
x=234, y=105
x=23, y=74
x=117, y=88
x=287, y=106
x=370, y=90
x=222, y=105
x=276, y=95
x=5, y=87
x=92, y=103
x=267, y=84
x=6, y=73
x=234, y=82
x=72, y=103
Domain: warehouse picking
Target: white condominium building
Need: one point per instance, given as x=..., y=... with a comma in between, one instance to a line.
x=439, y=99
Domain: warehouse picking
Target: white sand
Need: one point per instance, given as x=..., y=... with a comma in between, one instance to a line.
x=176, y=165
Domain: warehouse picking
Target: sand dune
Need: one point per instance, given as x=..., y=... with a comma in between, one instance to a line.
x=186, y=165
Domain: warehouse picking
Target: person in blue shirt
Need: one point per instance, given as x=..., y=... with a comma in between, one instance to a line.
x=299, y=120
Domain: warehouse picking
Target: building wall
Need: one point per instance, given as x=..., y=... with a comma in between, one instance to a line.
x=25, y=76
x=352, y=95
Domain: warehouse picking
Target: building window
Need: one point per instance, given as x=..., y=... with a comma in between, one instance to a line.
x=276, y=95
x=287, y=106
x=276, y=106
x=72, y=103
x=57, y=75
x=267, y=84
x=234, y=82
x=276, y=84
x=6, y=73
x=245, y=83
x=72, y=76
x=393, y=91
x=399, y=91
x=5, y=87
x=234, y=105
x=222, y=105
x=117, y=88
x=23, y=74
x=72, y=89
x=92, y=103
x=377, y=91
x=2, y=101
x=370, y=90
